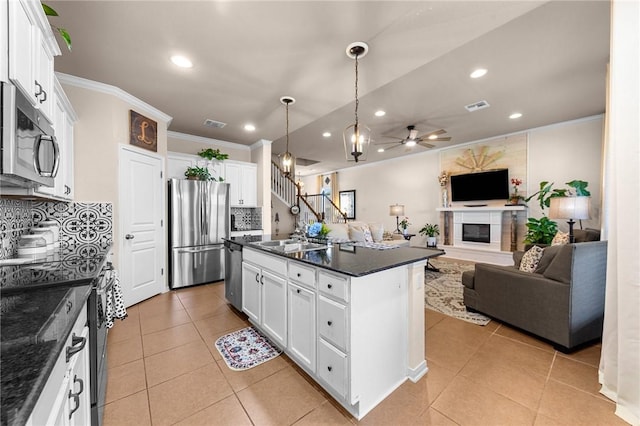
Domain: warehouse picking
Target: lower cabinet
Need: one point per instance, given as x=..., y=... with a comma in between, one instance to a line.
x=264, y=293
x=65, y=399
x=301, y=310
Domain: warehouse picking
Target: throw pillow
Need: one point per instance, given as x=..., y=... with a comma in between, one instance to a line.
x=367, y=235
x=377, y=230
x=530, y=259
x=560, y=238
x=339, y=231
x=356, y=231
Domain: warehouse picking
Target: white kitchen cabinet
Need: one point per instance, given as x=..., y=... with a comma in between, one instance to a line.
x=32, y=48
x=264, y=293
x=243, y=181
x=65, y=399
x=178, y=162
x=301, y=330
x=64, y=118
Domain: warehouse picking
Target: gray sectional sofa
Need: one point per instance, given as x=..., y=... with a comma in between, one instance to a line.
x=562, y=301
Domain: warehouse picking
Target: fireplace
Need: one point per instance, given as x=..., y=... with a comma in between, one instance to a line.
x=476, y=232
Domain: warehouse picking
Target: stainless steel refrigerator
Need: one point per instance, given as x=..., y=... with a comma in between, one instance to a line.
x=198, y=222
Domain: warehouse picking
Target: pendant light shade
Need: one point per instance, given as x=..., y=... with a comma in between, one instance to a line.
x=357, y=136
x=286, y=159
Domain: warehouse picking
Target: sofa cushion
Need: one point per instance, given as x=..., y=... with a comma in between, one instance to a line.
x=560, y=238
x=517, y=258
x=585, y=235
x=359, y=231
x=548, y=254
x=560, y=267
x=530, y=259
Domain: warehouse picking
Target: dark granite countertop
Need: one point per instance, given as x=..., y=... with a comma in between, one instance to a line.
x=346, y=258
x=35, y=321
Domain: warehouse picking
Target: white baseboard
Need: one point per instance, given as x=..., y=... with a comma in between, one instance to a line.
x=478, y=255
x=418, y=372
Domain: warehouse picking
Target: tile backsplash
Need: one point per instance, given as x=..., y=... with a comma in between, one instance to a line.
x=80, y=223
x=15, y=220
x=246, y=218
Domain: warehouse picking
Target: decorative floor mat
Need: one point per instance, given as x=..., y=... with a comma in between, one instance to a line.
x=246, y=348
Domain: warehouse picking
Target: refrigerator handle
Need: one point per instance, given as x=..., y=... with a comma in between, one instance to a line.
x=207, y=207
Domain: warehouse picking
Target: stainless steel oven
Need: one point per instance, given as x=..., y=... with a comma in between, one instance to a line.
x=97, y=318
x=30, y=154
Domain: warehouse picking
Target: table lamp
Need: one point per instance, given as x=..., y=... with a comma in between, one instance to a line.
x=569, y=208
x=397, y=210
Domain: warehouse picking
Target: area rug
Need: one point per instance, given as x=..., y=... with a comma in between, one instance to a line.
x=443, y=291
x=246, y=348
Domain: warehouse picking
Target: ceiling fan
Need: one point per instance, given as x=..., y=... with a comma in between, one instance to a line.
x=412, y=139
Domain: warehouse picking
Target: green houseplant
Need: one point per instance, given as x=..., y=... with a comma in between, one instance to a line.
x=542, y=231
x=198, y=173
x=211, y=154
x=430, y=231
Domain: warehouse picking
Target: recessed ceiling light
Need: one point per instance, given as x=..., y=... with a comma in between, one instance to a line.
x=181, y=61
x=326, y=134
x=380, y=149
x=380, y=113
x=478, y=73
x=249, y=127
x=515, y=115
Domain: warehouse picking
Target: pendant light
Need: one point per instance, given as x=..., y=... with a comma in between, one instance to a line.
x=357, y=136
x=286, y=159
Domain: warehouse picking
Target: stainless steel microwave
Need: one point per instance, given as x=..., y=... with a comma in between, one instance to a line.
x=30, y=154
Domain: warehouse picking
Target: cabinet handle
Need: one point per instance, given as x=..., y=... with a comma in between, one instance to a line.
x=44, y=92
x=40, y=91
x=298, y=274
x=77, y=344
x=258, y=278
x=329, y=323
x=329, y=285
x=262, y=280
x=329, y=368
x=76, y=396
x=298, y=290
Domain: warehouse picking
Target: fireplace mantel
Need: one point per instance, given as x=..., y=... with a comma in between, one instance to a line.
x=490, y=215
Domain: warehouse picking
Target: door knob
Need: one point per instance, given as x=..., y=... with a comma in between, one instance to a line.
x=129, y=237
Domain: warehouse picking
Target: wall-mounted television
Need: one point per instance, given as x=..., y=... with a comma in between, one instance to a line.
x=481, y=186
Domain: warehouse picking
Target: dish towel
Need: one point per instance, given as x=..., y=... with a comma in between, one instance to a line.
x=115, y=301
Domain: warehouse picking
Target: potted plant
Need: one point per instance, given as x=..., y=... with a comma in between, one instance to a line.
x=198, y=173
x=430, y=231
x=210, y=154
x=515, y=198
x=542, y=231
x=404, y=225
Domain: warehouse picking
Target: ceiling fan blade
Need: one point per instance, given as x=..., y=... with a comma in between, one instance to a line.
x=389, y=143
x=395, y=146
x=426, y=145
x=439, y=139
x=437, y=132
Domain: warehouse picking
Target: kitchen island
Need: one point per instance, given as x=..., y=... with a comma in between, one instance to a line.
x=351, y=317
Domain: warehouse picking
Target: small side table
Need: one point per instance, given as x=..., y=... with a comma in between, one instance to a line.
x=408, y=236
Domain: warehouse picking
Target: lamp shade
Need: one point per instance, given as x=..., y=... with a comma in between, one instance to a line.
x=569, y=208
x=396, y=210
x=357, y=138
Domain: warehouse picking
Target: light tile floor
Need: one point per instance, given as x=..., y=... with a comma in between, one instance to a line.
x=164, y=370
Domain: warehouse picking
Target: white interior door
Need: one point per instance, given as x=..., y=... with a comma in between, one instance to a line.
x=142, y=247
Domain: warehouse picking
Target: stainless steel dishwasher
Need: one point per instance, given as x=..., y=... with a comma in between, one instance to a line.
x=233, y=274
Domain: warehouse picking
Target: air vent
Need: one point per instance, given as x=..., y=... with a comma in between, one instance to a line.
x=477, y=105
x=213, y=123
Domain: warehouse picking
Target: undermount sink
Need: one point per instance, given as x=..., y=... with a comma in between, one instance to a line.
x=290, y=246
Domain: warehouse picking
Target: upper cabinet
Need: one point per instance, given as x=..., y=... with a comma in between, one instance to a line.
x=243, y=183
x=64, y=118
x=31, y=52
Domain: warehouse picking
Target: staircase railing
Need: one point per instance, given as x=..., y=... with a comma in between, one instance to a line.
x=328, y=210
x=289, y=192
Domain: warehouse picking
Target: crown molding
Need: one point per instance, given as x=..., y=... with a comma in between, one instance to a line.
x=95, y=86
x=260, y=143
x=208, y=141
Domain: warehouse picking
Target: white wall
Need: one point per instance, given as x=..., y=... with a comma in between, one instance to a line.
x=565, y=152
x=558, y=153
